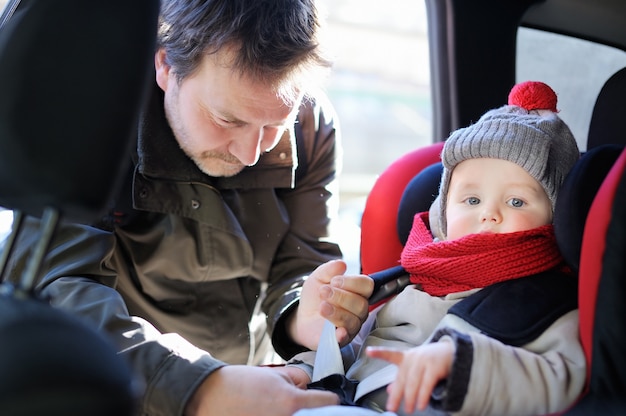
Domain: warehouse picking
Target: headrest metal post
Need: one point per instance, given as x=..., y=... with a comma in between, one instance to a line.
x=49, y=221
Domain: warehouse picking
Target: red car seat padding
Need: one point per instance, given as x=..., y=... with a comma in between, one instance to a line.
x=602, y=264
x=380, y=244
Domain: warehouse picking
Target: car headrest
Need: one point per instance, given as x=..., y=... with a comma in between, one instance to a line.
x=73, y=75
x=575, y=197
x=418, y=195
x=608, y=123
x=55, y=364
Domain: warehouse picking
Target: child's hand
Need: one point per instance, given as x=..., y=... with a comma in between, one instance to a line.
x=419, y=370
x=297, y=376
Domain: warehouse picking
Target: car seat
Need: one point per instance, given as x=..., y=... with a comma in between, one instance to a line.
x=385, y=222
x=602, y=284
x=589, y=224
x=381, y=243
x=601, y=254
x=72, y=76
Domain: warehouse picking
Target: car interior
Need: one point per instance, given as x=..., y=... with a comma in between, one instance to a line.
x=473, y=66
x=474, y=63
x=70, y=100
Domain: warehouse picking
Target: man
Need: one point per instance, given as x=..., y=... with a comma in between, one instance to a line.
x=225, y=213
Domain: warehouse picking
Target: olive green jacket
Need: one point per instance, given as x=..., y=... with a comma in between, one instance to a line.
x=184, y=272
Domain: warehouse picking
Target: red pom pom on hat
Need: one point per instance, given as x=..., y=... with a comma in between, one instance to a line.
x=533, y=95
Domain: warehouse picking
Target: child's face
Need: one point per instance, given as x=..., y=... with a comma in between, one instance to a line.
x=496, y=196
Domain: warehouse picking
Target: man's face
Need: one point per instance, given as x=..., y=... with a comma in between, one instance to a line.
x=221, y=120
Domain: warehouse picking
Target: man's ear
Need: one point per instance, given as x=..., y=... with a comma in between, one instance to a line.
x=162, y=69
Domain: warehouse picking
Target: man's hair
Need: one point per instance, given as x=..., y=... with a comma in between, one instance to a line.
x=272, y=41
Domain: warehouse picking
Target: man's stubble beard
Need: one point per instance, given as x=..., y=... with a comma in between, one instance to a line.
x=228, y=165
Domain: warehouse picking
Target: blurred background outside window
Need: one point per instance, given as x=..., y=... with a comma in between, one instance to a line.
x=380, y=88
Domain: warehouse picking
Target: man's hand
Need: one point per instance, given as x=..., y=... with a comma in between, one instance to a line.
x=329, y=294
x=419, y=370
x=246, y=390
x=297, y=376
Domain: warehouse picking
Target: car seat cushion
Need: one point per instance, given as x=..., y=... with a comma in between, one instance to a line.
x=575, y=197
x=602, y=283
x=418, y=196
x=380, y=244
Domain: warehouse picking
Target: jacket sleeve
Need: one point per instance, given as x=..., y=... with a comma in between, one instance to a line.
x=79, y=279
x=491, y=378
x=312, y=208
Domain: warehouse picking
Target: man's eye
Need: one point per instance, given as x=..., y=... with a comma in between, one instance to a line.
x=473, y=200
x=516, y=202
x=226, y=122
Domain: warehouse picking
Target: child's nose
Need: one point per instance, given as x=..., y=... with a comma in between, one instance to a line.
x=490, y=214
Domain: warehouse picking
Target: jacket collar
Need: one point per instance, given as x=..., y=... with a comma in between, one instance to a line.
x=160, y=157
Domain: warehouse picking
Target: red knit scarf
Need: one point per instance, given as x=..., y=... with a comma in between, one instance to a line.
x=476, y=260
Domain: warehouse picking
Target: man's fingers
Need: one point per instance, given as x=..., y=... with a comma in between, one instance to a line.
x=316, y=398
x=326, y=271
x=349, y=294
x=348, y=323
x=360, y=284
x=344, y=309
x=340, y=302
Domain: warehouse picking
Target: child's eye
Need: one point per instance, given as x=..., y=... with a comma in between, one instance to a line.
x=472, y=200
x=516, y=202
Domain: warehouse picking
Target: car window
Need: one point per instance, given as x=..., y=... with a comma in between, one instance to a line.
x=380, y=88
x=379, y=84
x=576, y=69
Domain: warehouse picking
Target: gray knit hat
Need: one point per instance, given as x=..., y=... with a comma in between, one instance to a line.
x=526, y=132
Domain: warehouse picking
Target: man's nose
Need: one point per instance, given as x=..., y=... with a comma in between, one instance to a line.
x=247, y=147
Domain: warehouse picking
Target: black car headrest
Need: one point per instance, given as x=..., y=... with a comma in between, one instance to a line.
x=575, y=197
x=73, y=75
x=607, y=120
x=418, y=195
x=55, y=364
